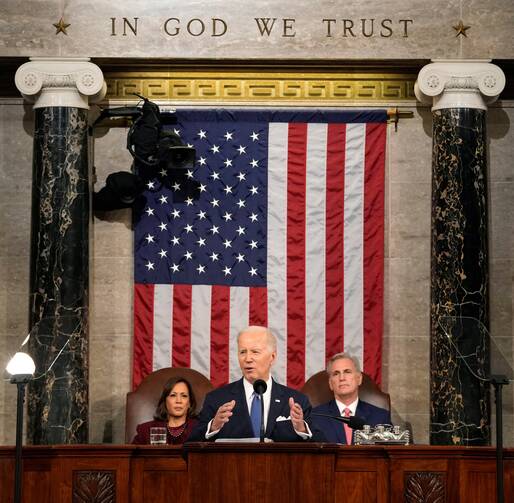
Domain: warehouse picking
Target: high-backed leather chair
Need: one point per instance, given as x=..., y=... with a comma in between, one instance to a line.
x=316, y=388
x=142, y=402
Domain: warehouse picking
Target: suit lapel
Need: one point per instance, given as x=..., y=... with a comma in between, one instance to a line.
x=276, y=407
x=362, y=411
x=338, y=427
x=241, y=418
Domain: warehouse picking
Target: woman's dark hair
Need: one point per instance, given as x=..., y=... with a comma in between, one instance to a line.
x=161, y=413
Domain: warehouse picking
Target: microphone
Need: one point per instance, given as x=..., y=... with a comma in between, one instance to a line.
x=354, y=422
x=259, y=387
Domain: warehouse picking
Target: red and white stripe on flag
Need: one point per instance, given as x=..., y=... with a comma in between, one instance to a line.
x=324, y=290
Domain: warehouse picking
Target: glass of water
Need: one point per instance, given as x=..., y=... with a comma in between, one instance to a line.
x=157, y=435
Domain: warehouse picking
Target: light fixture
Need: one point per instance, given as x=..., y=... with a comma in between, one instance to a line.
x=121, y=190
x=21, y=364
x=21, y=367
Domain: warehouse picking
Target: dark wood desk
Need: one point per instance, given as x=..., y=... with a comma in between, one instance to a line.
x=276, y=473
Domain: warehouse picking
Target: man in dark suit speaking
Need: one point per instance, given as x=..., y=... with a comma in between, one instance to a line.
x=233, y=411
x=344, y=379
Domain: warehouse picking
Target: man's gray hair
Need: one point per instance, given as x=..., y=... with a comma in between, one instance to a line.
x=340, y=356
x=270, y=338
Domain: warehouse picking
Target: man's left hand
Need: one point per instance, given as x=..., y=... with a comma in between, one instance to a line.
x=297, y=416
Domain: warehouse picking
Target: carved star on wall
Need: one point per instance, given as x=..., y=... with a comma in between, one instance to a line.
x=461, y=28
x=61, y=26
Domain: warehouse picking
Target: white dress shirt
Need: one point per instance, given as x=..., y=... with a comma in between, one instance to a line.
x=353, y=407
x=266, y=396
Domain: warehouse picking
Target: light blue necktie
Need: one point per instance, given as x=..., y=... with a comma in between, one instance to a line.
x=255, y=415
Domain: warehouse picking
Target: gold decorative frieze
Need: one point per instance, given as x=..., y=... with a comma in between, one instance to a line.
x=286, y=87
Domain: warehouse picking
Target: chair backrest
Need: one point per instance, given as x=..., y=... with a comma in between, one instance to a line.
x=316, y=388
x=142, y=402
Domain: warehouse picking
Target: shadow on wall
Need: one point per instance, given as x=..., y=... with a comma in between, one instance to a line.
x=106, y=422
x=28, y=119
x=426, y=118
x=123, y=216
x=495, y=115
x=398, y=420
x=501, y=121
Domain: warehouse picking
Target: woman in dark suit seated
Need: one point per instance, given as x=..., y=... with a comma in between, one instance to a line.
x=175, y=411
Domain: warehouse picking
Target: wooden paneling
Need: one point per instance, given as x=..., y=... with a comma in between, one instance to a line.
x=37, y=480
x=250, y=475
x=361, y=478
x=425, y=477
x=157, y=473
x=7, y=478
x=256, y=473
x=478, y=481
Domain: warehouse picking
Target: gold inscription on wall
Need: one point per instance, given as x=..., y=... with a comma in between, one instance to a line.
x=266, y=27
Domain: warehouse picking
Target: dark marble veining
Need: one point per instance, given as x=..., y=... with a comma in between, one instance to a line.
x=58, y=398
x=460, y=411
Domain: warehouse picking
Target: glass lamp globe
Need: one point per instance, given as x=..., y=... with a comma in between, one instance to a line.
x=21, y=364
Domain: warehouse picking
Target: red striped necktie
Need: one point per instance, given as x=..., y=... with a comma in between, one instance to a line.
x=347, y=430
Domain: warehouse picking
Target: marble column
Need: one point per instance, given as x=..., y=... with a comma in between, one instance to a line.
x=459, y=92
x=61, y=89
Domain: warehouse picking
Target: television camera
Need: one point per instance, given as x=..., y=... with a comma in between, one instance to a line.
x=155, y=150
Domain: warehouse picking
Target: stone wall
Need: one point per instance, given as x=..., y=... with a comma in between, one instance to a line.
x=268, y=29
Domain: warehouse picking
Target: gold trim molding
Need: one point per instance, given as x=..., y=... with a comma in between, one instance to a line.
x=287, y=88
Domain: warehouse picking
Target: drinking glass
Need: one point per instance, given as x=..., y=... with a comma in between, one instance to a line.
x=157, y=435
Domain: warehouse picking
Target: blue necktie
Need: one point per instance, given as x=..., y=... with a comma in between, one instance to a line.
x=255, y=415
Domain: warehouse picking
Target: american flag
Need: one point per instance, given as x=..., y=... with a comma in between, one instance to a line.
x=279, y=223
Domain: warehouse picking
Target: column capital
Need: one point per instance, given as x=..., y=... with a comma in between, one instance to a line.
x=61, y=82
x=459, y=83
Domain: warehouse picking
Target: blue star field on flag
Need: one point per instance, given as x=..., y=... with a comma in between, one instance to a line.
x=215, y=232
